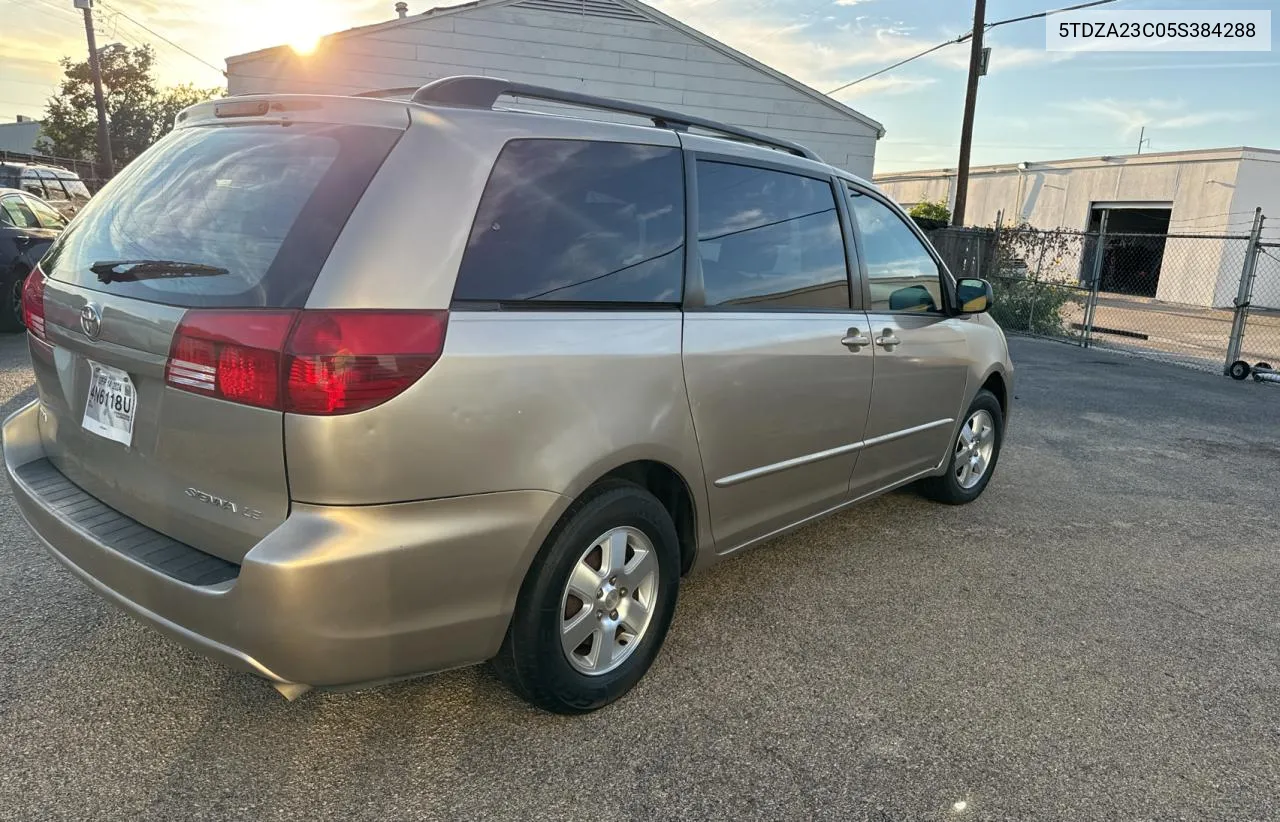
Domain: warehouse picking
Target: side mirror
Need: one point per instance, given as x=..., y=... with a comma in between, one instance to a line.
x=974, y=296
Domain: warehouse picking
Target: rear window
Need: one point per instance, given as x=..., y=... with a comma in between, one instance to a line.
x=76, y=188
x=575, y=221
x=236, y=216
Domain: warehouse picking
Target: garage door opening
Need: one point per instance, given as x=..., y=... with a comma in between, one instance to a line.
x=1135, y=247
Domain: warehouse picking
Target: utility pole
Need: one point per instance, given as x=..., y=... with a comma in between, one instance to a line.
x=970, y=101
x=106, y=163
x=1141, y=134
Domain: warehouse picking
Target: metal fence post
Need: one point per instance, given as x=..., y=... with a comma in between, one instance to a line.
x=995, y=244
x=1245, y=292
x=1095, y=283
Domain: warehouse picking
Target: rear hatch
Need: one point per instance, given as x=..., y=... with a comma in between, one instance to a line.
x=159, y=317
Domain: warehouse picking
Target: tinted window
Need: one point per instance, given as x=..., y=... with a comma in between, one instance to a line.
x=47, y=216
x=76, y=189
x=31, y=185
x=251, y=210
x=17, y=213
x=578, y=221
x=53, y=189
x=767, y=239
x=901, y=273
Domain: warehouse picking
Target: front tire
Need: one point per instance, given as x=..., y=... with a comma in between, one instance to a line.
x=596, y=606
x=973, y=454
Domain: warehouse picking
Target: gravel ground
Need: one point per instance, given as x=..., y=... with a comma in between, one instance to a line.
x=1096, y=638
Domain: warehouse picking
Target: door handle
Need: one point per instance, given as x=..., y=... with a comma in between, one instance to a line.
x=887, y=340
x=854, y=340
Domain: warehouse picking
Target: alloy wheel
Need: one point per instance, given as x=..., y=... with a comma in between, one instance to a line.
x=974, y=447
x=609, y=601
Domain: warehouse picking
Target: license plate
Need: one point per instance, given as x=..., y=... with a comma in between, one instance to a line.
x=111, y=405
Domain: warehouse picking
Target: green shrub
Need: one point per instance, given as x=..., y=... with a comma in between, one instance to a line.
x=1031, y=306
x=932, y=211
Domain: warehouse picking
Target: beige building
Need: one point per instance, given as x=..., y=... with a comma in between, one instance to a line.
x=1210, y=191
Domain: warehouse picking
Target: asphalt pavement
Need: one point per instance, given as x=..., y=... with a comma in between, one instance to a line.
x=1098, y=637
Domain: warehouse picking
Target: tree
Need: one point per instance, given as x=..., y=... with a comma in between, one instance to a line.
x=932, y=211
x=138, y=113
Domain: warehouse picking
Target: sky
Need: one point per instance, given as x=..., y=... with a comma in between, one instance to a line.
x=1033, y=104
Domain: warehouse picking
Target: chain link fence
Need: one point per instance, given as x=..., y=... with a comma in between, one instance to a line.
x=1260, y=326
x=1171, y=297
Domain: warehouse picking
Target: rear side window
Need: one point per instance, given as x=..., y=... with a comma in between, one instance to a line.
x=47, y=216
x=235, y=216
x=17, y=214
x=768, y=239
x=579, y=222
x=76, y=189
x=52, y=187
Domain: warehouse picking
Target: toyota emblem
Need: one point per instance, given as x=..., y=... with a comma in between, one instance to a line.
x=90, y=321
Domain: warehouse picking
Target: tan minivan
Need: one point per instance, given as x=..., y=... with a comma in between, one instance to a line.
x=343, y=390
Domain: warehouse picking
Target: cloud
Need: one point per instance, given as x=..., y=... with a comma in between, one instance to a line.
x=850, y=2
x=886, y=84
x=1130, y=116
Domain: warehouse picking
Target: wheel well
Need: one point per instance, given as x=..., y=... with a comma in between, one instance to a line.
x=995, y=384
x=669, y=487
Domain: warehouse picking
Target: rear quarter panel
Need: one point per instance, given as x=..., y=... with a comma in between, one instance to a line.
x=545, y=401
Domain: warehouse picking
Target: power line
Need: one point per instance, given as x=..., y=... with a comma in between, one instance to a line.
x=155, y=33
x=46, y=12
x=967, y=36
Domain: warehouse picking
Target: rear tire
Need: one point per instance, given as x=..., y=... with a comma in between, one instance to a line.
x=973, y=456
x=11, y=302
x=626, y=625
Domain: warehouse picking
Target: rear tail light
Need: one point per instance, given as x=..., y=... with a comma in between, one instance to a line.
x=231, y=355
x=345, y=361
x=33, y=304
x=304, y=362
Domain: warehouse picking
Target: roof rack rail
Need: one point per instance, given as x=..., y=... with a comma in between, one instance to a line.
x=469, y=91
x=402, y=91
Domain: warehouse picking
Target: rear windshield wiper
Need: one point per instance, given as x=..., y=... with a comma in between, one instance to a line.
x=128, y=271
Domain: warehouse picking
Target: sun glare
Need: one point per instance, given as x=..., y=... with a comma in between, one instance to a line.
x=301, y=25
x=304, y=43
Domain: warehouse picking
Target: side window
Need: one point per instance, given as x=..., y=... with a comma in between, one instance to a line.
x=19, y=215
x=47, y=217
x=31, y=185
x=76, y=189
x=768, y=239
x=901, y=273
x=578, y=221
x=53, y=189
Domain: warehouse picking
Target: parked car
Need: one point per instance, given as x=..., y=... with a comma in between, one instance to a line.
x=28, y=226
x=343, y=390
x=62, y=189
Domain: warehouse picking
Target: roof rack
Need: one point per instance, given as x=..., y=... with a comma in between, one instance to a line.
x=482, y=92
x=402, y=91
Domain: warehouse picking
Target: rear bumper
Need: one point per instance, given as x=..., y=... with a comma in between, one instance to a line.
x=334, y=596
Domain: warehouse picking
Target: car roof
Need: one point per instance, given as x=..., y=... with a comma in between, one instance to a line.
x=59, y=173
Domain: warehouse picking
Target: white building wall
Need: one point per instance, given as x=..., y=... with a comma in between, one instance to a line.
x=1206, y=189
x=21, y=136
x=1258, y=185
x=641, y=61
